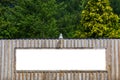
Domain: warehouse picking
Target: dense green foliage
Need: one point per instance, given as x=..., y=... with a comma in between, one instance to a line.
x=49, y=18
x=115, y=4
x=99, y=21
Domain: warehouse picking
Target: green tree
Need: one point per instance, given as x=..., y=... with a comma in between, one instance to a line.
x=29, y=19
x=70, y=16
x=116, y=6
x=98, y=21
x=7, y=27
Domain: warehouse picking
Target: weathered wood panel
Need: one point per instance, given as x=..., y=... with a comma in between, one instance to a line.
x=0, y=58
x=7, y=58
x=61, y=75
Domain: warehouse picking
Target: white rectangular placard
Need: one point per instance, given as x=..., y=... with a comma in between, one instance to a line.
x=60, y=59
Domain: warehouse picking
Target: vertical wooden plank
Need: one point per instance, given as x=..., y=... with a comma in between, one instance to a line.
x=79, y=75
x=34, y=77
x=56, y=41
x=10, y=52
x=78, y=78
x=119, y=60
x=97, y=43
x=8, y=72
x=92, y=77
x=114, y=59
x=42, y=43
x=0, y=58
x=74, y=76
x=51, y=76
x=102, y=75
x=105, y=42
x=47, y=43
x=72, y=43
x=113, y=64
x=31, y=76
x=55, y=76
x=68, y=76
x=18, y=76
x=82, y=43
x=13, y=62
x=97, y=76
x=71, y=75
x=39, y=43
x=101, y=43
x=47, y=76
x=68, y=43
x=53, y=43
x=109, y=59
x=93, y=43
x=106, y=78
x=89, y=76
x=82, y=76
x=85, y=43
x=85, y=76
x=36, y=43
x=42, y=76
x=38, y=76
x=78, y=43
x=32, y=43
x=94, y=74
x=5, y=60
x=22, y=75
x=26, y=75
x=61, y=75
x=14, y=57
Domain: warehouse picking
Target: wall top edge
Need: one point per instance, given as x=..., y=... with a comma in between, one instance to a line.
x=67, y=39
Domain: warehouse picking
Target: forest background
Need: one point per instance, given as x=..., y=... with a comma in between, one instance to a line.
x=49, y=18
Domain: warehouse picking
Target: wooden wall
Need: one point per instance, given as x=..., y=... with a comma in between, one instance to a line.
x=7, y=59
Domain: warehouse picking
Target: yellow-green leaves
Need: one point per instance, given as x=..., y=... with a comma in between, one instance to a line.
x=99, y=21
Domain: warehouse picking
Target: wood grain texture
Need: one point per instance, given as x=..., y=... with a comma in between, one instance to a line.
x=8, y=64
x=0, y=58
x=119, y=60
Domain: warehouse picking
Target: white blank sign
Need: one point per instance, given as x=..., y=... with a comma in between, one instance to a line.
x=60, y=59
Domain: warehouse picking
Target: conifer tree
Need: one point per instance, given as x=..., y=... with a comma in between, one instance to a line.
x=98, y=21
